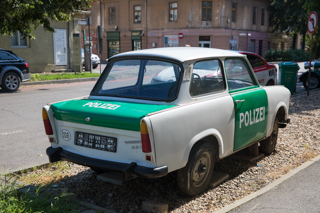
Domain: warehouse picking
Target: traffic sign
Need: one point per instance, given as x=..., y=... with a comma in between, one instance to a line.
x=180, y=35
x=312, y=22
x=82, y=22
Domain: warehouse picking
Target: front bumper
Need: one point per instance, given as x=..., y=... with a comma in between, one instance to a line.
x=129, y=170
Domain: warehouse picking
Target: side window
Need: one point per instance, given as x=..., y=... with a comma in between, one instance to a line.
x=255, y=61
x=206, y=78
x=4, y=56
x=238, y=74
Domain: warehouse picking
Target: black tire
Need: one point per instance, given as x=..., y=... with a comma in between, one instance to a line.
x=270, y=83
x=97, y=171
x=195, y=176
x=95, y=66
x=314, y=81
x=10, y=82
x=268, y=145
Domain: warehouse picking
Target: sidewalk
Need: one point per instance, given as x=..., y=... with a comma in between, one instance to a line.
x=295, y=192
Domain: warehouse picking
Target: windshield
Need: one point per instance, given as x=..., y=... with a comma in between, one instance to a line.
x=141, y=79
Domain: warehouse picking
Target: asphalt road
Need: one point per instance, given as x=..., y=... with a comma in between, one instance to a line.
x=22, y=138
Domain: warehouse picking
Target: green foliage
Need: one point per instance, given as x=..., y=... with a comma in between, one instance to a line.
x=26, y=15
x=48, y=77
x=13, y=200
x=289, y=16
x=287, y=55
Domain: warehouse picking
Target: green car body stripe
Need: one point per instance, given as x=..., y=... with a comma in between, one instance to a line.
x=112, y=114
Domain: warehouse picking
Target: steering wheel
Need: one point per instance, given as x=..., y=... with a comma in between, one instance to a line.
x=196, y=79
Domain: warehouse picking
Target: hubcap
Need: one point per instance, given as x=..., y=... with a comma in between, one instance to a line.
x=313, y=82
x=201, y=169
x=12, y=82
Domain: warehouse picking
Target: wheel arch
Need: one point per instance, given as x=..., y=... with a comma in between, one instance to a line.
x=303, y=75
x=271, y=81
x=7, y=69
x=211, y=136
x=281, y=113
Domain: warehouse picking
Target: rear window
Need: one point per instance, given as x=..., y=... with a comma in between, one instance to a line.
x=141, y=79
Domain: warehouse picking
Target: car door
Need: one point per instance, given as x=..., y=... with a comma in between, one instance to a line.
x=250, y=103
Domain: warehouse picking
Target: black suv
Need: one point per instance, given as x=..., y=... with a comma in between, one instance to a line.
x=13, y=70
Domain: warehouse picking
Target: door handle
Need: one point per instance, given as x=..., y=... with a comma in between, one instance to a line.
x=240, y=101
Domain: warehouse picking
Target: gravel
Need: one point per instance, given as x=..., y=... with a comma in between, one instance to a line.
x=297, y=143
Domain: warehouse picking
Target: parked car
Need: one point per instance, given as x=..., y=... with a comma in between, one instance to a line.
x=314, y=77
x=132, y=126
x=13, y=71
x=265, y=72
x=95, y=60
x=315, y=65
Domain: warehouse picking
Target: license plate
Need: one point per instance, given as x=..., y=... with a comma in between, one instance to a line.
x=93, y=141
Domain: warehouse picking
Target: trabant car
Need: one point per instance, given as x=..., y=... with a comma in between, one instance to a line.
x=134, y=126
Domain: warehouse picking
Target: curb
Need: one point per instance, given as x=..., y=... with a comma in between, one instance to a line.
x=268, y=187
x=64, y=81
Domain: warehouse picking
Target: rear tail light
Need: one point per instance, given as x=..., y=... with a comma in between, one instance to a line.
x=26, y=64
x=46, y=122
x=145, y=139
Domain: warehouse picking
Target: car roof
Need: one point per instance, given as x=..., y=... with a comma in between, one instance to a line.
x=181, y=53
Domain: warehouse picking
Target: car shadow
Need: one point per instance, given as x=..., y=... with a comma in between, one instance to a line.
x=129, y=197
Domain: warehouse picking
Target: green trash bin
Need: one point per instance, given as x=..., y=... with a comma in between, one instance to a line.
x=288, y=75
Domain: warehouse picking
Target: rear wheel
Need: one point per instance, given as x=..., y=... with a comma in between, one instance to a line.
x=10, y=82
x=271, y=82
x=98, y=171
x=196, y=175
x=268, y=145
x=314, y=81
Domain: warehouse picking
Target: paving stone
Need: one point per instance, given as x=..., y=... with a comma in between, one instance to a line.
x=153, y=206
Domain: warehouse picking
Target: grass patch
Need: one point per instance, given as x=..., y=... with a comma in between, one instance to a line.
x=46, y=174
x=60, y=76
x=13, y=199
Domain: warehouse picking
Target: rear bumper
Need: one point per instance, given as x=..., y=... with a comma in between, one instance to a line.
x=129, y=170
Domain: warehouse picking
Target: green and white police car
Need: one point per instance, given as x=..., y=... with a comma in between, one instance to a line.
x=138, y=122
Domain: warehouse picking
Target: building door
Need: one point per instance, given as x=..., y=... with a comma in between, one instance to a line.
x=60, y=47
x=136, y=40
x=113, y=41
x=204, y=41
x=260, y=47
x=252, y=45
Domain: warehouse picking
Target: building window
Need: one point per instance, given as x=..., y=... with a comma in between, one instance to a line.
x=270, y=20
x=17, y=40
x=137, y=14
x=173, y=8
x=206, y=10
x=112, y=15
x=262, y=16
x=234, y=12
x=254, y=16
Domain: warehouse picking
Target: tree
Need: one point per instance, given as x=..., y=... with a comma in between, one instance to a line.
x=27, y=15
x=313, y=5
x=290, y=16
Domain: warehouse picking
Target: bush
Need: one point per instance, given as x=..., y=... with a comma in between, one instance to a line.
x=287, y=55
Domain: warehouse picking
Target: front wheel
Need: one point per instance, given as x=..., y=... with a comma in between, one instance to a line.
x=10, y=82
x=268, y=145
x=196, y=175
x=95, y=66
x=314, y=82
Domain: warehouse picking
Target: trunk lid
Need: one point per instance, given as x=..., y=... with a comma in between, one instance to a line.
x=111, y=114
